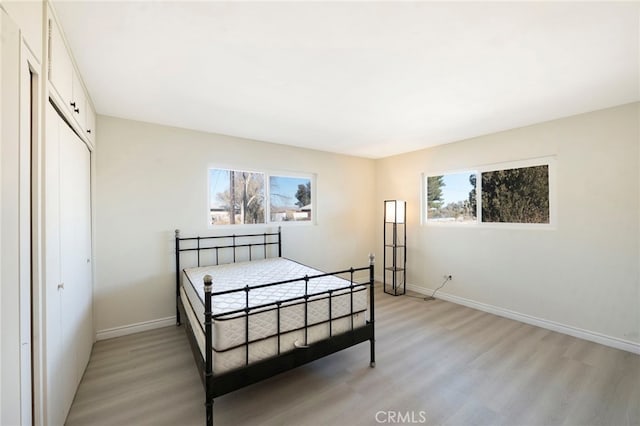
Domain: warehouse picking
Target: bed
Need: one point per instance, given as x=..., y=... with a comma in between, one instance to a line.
x=250, y=313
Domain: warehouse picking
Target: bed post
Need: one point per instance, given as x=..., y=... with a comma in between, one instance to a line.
x=208, y=349
x=372, y=259
x=279, y=241
x=177, y=276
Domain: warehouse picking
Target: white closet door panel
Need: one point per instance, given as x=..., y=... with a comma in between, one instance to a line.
x=82, y=230
x=55, y=362
x=69, y=292
x=83, y=240
x=69, y=268
x=75, y=249
x=88, y=333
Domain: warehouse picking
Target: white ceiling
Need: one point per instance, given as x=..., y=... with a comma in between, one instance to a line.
x=370, y=79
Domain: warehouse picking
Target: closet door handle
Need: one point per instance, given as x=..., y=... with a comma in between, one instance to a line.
x=89, y=131
x=77, y=110
x=61, y=286
x=73, y=104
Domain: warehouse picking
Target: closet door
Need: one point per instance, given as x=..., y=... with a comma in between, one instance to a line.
x=56, y=367
x=69, y=294
x=75, y=241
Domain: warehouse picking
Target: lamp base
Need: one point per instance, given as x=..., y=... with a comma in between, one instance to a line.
x=394, y=291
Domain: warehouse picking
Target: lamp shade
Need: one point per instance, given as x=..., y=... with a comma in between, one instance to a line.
x=394, y=211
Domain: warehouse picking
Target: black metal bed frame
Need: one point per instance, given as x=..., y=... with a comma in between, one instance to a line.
x=223, y=383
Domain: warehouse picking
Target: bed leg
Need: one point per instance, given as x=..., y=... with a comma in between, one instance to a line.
x=210, y=412
x=178, y=319
x=208, y=347
x=178, y=277
x=372, y=305
x=372, y=364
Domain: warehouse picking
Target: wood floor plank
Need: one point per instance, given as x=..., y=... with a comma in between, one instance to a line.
x=435, y=361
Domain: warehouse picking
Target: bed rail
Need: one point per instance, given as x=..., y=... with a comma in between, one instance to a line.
x=351, y=286
x=220, y=384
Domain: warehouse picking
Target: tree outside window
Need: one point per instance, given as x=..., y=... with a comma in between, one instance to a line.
x=289, y=199
x=519, y=195
x=236, y=197
x=516, y=195
x=451, y=198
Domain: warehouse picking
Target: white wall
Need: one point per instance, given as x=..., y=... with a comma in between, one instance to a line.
x=152, y=179
x=9, y=224
x=2, y=385
x=584, y=274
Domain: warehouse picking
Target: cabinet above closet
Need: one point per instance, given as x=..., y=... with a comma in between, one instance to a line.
x=67, y=90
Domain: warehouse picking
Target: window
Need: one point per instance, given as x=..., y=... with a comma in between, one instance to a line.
x=452, y=198
x=289, y=199
x=518, y=194
x=238, y=197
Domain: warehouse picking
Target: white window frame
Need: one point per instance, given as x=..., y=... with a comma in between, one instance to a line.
x=549, y=161
x=268, y=173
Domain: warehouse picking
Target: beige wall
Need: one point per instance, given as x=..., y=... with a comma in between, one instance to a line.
x=28, y=15
x=10, y=347
x=152, y=179
x=583, y=274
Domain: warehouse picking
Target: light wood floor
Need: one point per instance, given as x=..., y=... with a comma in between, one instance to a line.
x=438, y=361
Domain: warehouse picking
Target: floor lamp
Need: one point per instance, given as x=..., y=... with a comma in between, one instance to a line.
x=395, y=247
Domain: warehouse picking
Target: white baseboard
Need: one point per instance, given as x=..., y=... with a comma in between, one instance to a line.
x=592, y=336
x=135, y=328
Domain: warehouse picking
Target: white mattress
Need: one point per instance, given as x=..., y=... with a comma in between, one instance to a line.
x=229, y=330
